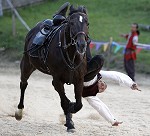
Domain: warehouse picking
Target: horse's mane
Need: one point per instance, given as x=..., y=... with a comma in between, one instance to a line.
x=81, y=9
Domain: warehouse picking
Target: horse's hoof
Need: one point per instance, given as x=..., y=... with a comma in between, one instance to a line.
x=70, y=130
x=18, y=114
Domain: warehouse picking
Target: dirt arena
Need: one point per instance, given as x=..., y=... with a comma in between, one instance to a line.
x=43, y=115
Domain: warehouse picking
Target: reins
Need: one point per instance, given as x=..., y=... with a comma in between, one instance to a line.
x=70, y=63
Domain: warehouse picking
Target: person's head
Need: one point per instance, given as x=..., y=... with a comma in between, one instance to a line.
x=134, y=28
x=101, y=86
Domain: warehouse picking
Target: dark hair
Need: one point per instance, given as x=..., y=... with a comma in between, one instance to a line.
x=137, y=27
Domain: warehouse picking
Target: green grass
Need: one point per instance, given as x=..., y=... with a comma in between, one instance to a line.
x=108, y=18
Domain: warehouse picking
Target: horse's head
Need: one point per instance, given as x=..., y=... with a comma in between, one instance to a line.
x=78, y=24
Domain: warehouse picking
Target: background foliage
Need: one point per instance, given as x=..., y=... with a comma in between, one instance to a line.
x=108, y=18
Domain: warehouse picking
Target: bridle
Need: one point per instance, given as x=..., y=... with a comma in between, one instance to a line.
x=63, y=49
x=73, y=37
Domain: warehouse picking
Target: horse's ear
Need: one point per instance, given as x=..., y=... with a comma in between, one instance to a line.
x=71, y=8
x=85, y=10
x=82, y=9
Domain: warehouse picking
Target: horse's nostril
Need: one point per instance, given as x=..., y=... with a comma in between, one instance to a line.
x=81, y=46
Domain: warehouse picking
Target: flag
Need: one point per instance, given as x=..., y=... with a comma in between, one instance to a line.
x=91, y=45
x=105, y=46
x=118, y=47
x=98, y=46
x=123, y=51
x=138, y=50
x=114, y=44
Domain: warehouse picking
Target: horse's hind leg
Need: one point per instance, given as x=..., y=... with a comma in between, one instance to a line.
x=26, y=71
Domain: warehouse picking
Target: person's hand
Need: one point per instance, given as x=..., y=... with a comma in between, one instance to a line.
x=135, y=87
x=122, y=35
x=101, y=86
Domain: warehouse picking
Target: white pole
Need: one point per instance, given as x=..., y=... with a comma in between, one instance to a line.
x=13, y=23
x=17, y=15
x=1, y=9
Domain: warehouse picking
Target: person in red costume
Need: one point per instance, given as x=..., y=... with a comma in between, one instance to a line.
x=130, y=51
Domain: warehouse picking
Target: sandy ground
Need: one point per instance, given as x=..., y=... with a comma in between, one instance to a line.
x=43, y=115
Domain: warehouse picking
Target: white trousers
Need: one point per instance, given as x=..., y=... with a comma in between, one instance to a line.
x=102, y=109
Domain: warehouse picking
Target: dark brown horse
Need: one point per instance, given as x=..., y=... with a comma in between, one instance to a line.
x=66, y=61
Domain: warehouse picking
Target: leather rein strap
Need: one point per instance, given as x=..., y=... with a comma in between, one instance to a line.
x=70, y=63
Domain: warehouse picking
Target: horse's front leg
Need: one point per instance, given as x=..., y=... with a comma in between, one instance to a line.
x=65, y=104
x=78, y=88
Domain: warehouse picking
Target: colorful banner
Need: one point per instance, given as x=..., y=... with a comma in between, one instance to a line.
x=117, y=46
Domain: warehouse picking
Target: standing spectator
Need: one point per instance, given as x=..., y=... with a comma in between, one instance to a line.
x=130, y=51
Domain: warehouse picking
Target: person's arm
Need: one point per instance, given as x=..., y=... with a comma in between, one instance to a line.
x=135, y=42
x=142, y=45
x=120, y=78
x=124, y=35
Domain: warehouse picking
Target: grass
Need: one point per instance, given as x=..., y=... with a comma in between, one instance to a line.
x=108, y=18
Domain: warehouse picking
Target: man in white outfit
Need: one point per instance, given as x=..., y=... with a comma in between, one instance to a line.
x=96, y=85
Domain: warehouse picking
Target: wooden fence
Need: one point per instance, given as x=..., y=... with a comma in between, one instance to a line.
x=18, y=3
x=1, y=11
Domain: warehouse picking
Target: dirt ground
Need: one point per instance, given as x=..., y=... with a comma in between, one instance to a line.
x=43, y=115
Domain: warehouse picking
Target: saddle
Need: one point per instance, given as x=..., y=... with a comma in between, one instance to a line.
x=41, y=51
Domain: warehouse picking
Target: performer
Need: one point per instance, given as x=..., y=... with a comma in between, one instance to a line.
x=96, y=85
x=130, y=51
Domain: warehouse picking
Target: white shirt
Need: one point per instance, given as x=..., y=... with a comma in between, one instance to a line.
x=118, y=77
x=134, y=40
x=115, y=76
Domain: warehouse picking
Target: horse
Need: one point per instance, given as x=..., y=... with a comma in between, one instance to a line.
x=66, y=61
